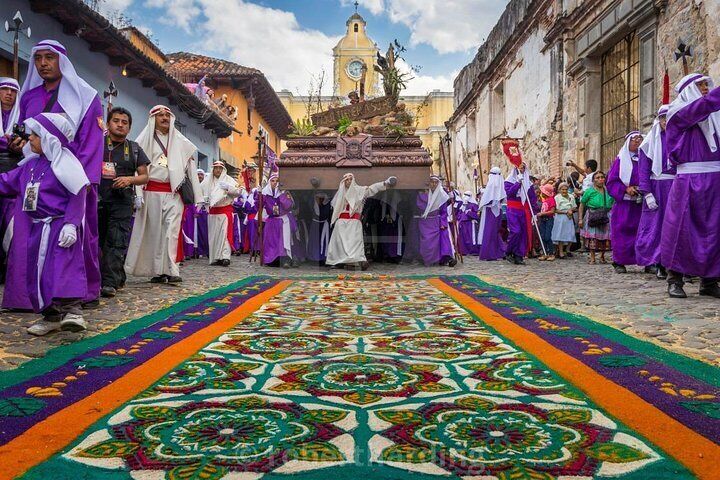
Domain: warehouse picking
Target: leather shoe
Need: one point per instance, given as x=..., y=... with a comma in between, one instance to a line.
x=619, y=268
x=108, y=292
x=661, y=273
x=171, y=279
x=712, y=290
x=676, y=291
x=452, y=263
x=518, y=260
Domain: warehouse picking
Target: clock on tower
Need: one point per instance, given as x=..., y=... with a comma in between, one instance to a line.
x=354, y=69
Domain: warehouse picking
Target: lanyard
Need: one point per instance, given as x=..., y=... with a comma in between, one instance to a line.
x=32, y=172
x=111, y=148
x=162, y=147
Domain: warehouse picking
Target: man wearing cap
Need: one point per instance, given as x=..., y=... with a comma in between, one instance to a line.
x=690, y=239
x=53, y=85
x=52, y=188
x=346, y=245
x=9, y=109
x=219, y=190
x=156, y=233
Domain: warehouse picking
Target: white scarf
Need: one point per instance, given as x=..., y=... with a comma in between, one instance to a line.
x=627, y=158
x=494, y=193
x=75, y=95
x=436, y=199
x=179, y=148
x=210, y=186
x=515, y=177
x=65, y=166
x=652, y=143
x=688, y=92
x=353, y=195
x=7, y=82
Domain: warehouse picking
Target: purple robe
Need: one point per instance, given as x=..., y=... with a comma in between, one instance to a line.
x=624, y=216
x=88, y=148
x=467, y=217
x=690, y=239
x=203, y=243
x=238, y=218
x=647, y=247
x=273, y=246
x=520, y=229
x=317, y=242
x=63, y=271
x=251, y=210
x=492, y=247
x=188, y=230
x=3, y=139
x=434, y=233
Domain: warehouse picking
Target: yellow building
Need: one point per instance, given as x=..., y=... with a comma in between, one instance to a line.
x=242, y=93
x=352, y=51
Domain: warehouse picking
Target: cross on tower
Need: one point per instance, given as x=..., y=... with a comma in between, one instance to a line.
x=356, y=6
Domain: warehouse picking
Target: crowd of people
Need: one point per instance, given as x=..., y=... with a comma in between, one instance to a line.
x=82, y=206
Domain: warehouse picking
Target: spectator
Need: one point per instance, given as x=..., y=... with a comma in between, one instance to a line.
x=595, y=207
x=546, y=219
x=563, y=232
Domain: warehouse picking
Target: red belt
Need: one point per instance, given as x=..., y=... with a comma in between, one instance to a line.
x=162, y=187
x=515, y=204
x=227, y=210
x=347, y=216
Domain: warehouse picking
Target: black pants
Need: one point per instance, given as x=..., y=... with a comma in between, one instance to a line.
x=114, y=219
x=676, y=278
x=61, y=307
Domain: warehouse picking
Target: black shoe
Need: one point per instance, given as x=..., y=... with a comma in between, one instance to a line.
x=452, y=263
x=651, y=269
x=661, y=273
x=285, y=264
x=510, y=258
x=225, y=263
x=568, y=254
x=159, y=279
x=108, y=292
x=91, y=304
x=216, y=263
x=676, y=291
x=518, y=260
x=619, y=268
x=712, y=290
x=364, y=265
x=174, y=279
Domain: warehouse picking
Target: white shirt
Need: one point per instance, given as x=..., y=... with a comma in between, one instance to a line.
x=588, y=181
x=156, y=172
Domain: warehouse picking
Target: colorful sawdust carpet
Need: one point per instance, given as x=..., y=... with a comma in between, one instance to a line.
x=361, y=377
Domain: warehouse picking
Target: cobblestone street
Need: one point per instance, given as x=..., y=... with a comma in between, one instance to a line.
x=635, y=303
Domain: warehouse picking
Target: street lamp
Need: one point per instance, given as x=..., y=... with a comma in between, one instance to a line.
x=16, y=28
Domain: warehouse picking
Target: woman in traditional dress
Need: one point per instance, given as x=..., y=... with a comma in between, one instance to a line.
x=563, y=232
x=595, y=205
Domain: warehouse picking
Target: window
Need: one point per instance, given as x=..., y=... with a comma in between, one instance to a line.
x=356, y=28
x=264, y=134
x=620, y=96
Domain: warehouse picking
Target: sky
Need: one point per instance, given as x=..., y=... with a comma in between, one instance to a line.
x=291, y=41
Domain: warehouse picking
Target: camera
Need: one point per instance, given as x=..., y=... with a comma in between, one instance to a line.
x=19, y=131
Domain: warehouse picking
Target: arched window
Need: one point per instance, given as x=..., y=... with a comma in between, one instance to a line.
x=356, y=26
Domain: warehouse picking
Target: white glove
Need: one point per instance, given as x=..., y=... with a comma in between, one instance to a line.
x=138, y=202
x=651, y=202
x=391, y=181
x=225, y=186
x=68, y=235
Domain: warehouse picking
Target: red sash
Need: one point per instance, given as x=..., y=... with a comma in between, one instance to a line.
x=162, y=187
x=518, y=205
x=347, y=216
x=228, y=212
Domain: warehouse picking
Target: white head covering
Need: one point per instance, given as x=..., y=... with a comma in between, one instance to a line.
x=436, y=199
x=494, y=193
x=688, y=92
x=515, y=177
x=267, y=189
x=325, y=201
x=652, y=143
x=74, y=95
x=353, y=195
x=56, y=132
x=179, y=148
x=7, y=82
x=210, y=185
x=468, y=198
x=390, y=200
x=626, y=158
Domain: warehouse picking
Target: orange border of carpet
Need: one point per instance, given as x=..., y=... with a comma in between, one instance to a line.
x=54, y=433
x=696, y=452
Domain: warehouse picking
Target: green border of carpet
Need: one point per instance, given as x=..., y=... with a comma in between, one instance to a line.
x=61, y=354
x=687, y=365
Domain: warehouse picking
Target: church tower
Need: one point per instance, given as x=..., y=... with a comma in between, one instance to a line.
x=351, y=52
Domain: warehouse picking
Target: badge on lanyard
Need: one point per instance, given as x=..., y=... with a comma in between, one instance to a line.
x=30, y=200
x=162, y=161
x=108, y=170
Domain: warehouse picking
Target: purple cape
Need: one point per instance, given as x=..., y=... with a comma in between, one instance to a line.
x=468, y=225
x=434, y=235
x=690, y=239
x=273, y=226
x=624, y=216
x=493, y=247
x=63, y=272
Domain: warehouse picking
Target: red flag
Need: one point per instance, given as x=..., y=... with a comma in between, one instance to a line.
x=511, y=148
x=666, y=88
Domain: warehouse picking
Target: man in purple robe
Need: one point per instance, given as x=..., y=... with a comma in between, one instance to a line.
x=467, y=217
x=52, y=188
x=201, y=235
x=188, y=231
x=319, y=231
x=690, y=239
x=52, y=85
x=9, y=109
x=277, y=229
x=492, y=246
x=436, y=246
x=251, y=209
x=656, y=175
x=623, y=185
x=520, y=215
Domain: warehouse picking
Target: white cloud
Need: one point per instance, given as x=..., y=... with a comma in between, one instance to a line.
x=176, y=12
x=422, y=84
x=376, y=7
x=114, y=5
